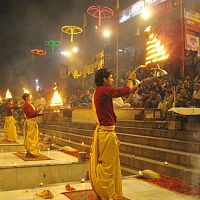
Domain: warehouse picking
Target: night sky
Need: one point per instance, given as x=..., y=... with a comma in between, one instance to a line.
x=27, y=24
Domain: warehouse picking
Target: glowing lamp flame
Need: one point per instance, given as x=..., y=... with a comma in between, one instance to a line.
x=8, y=94
x=155, y=50
x=26, y=91
x=76, y=74
x=56, y=99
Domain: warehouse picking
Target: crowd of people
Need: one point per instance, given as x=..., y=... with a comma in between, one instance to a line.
x=155, y=89
x=152, y=92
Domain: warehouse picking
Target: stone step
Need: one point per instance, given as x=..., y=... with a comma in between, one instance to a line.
x=131, y=164
x=127, y=171
x=161, y=133
x=29, y=174
x=171, y=170
x=67, y=136
x=136, y=139
x=129, y=123
x=173, y=156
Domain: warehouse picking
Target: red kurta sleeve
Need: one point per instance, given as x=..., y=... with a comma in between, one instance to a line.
x=29, y=111
x=117, y=92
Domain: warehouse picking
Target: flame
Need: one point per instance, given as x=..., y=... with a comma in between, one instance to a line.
x=8, y=94
x=0, y=99
x=56, y=99
x=155, y=50
x=26, y=91
x=148, y=29
x=76, y=74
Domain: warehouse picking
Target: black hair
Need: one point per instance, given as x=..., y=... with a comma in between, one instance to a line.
x=100, y=75
x=24, y=96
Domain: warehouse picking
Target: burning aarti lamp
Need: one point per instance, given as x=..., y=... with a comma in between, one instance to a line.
x=76, y=74
x=155, y=50
x=53, y=44
x=26, y=91
x=100, y=12
x=8, y=94
x=72, y=30
x=56, y=99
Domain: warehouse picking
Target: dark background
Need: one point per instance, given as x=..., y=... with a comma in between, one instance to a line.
x=27, y=24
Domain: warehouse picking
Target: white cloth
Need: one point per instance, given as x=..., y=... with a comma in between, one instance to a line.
x=186, y=111
x=119, y=103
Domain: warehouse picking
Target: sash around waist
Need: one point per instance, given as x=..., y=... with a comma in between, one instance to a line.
x=106, y=128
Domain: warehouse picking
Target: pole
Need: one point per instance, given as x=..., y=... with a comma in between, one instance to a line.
x=84, y=43
x=117, y=41
x=182, y=17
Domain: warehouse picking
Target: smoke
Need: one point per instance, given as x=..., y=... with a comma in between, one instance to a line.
x=26, y=25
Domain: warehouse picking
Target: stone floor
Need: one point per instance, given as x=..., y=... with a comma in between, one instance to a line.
x=133, y=189
x=19, y=137
x=9, y=159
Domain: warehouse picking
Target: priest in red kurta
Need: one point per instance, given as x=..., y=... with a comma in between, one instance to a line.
x=104, y=164
x=9, y=125
x=31, y=132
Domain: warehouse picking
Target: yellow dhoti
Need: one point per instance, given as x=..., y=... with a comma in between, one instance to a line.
x=104, y=164
x=10, y=129
x=31, y=136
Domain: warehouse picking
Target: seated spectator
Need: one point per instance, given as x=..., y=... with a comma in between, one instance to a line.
x=134, y=100
x=153, y=100
x=196, y=95
x=182, y=98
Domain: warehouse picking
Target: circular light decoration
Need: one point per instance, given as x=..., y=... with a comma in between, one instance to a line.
x=72, y=30
x=40, y=52
x=53, y=44
x=100, y=12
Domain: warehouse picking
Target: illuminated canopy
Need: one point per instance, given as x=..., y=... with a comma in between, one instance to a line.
x=72, y=30
x=40, y=52
x=100, y=12
x=52, y=44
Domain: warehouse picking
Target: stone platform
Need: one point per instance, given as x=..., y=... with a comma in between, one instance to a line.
x=16, y=173
x=12, y=147
x=133, y=189
x=85, y=115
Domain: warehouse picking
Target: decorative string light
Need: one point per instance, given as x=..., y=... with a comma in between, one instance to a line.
x=53, y=44
x=40, y=52
x=100, y=12
x=72, y=30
